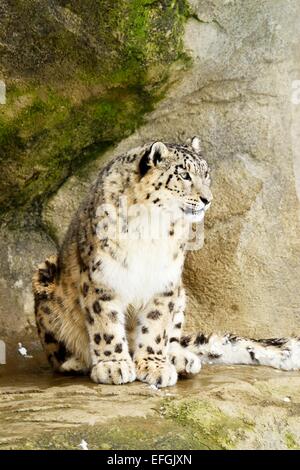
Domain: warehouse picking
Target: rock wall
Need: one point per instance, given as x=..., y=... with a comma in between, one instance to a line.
x=237, y=94
x=80, y=75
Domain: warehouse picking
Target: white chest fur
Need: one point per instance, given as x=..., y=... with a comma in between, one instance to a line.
x=148, y=260
x=150, y=269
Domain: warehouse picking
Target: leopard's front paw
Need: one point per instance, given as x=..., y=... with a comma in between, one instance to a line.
x=185, y=361
x=160, y=373
x=114, y=372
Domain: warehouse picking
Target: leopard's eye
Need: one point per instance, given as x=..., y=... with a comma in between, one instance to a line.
x=185, y=175
x=206, y=174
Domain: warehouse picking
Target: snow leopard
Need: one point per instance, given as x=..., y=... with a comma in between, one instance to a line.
x=111, y=303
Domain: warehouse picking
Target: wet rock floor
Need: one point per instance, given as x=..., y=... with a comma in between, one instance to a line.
x=229, y=407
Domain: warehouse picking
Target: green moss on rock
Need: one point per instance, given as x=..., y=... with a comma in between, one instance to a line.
x=85, y=75
x=180, y=424
x=211, y=427
x=122, y=434
x=291, y=441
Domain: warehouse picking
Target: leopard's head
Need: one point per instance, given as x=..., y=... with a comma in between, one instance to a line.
x=176, y=176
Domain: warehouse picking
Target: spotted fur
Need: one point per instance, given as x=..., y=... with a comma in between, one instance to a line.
x=111, y=303
x=280, y=353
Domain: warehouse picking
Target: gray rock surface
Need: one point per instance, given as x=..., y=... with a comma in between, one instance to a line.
x=20, y=252
x=238, y=97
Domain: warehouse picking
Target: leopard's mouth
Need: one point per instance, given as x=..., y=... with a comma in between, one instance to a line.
x=193, y=213
x=193, y=210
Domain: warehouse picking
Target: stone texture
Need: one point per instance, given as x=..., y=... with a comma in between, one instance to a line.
x=238, y=97
x=20, y=252
x=222, y=408
x=79, y=76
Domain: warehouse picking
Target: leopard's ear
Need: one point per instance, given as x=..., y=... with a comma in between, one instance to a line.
x=195, y=143
x=152, y=157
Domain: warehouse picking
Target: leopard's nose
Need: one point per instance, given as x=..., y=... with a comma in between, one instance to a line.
x=205, y=201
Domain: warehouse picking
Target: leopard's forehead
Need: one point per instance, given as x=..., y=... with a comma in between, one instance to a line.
x=185, y=156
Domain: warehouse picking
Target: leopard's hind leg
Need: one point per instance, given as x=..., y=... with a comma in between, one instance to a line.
x=48, y=314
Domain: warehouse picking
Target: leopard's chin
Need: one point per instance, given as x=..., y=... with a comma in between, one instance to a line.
x=193, y=215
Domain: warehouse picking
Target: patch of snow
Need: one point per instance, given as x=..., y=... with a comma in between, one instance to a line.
x=154, y=387
x=23, y=351
x=83, y=445
x=18, y=284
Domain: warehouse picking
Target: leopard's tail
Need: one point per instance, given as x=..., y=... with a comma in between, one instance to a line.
x=44, y=279
x=49, y=309
x=44, y=285
x=280, y=353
